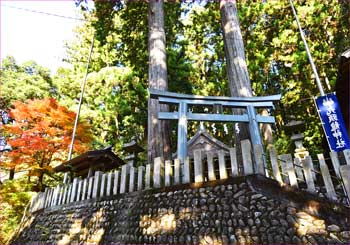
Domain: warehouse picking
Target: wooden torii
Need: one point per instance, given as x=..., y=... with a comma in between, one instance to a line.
x=183, y=115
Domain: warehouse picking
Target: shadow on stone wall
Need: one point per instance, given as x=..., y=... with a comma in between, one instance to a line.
x=251, y=209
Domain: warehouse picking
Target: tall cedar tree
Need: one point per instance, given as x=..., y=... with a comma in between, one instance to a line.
x=158, y=131
x=40, y=134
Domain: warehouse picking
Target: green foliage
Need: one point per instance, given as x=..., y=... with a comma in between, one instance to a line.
x=14, y=196
x=278, y=63
x=25, y=81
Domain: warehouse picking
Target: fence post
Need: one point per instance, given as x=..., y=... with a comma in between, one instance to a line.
x=234, y=165
x=308, y=175
x=57, y=196
x=335, y=162
x=70, y=186
x=74, y=190
x=90, y=187
x=274, y=164
x=345, y=174
x=60, y=196
x=222, y=165
x=247, y=157
x=109, y=184
x=288, y=168
x=168, y=172
x=48, y=198
x=140, y=177
x=85, y=189
x=259, y=159
x=148, y=176
x=116, y=182
x=123, y=178
x=177, y=165
x=80, y=187
x=158, y=172
x=97, y=184
x=211, y=171
x=283, y=162
x=132, y=179
x=54, y=191
x=103, y=185
x=346, y=153
x=186, y=177
x=198, y=166
x=326, y=178
x=299, y=169
x=65, y=193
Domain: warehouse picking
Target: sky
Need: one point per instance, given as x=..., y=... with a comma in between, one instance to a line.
x=35, y=36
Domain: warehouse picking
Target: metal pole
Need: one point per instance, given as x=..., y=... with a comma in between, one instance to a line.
x=308, y=51
x=80, y=101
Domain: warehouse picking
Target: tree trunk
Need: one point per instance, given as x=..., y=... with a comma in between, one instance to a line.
x=158, y=131
x=12, y=174
x=237, y=71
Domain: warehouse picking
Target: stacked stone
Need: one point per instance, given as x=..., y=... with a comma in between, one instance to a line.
x=226, y=213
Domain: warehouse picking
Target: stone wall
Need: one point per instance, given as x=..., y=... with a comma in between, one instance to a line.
x=251, y=209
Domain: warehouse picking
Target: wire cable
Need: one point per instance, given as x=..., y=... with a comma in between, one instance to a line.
x=40, y=12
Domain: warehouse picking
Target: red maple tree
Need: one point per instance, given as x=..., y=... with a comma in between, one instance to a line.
x=40, y=135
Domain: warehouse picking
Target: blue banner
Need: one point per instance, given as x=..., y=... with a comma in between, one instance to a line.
x=333, y=122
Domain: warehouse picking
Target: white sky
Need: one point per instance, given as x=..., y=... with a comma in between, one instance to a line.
x=35, y=36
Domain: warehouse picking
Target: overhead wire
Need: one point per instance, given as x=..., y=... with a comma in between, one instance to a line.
x=45, y=13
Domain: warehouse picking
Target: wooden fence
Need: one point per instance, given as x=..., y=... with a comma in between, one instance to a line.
x=206, y=166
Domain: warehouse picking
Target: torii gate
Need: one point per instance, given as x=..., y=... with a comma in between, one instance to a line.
x=183, y=115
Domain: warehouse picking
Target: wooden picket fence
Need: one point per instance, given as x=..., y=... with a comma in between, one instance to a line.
x=205, y=166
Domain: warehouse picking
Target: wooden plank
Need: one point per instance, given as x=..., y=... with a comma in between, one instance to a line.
x=74, y=190
x=140, y=172
x=177, y=166
x=97, y=184
x=168, y=172
x=345, y=174
x=70, y=187
x=327, y=180
x=158, y=172
x=259, y=159
x=109, y=184
x=80, y=186
x=123, y=178
x=65, y=193
x=346, y=153
x=115, y=182
x=335, y=162
x=90, y=187
x=247, y=157
x=211, y=170
x=148, y=176
x=53, y=197
x=234, y=165
x=299, y=169
x=274, y=164
x=186, y=172
x=85, y=188
x=132, y=179
x=103, y=185
x=59, y=201
x=283, y=161
x=291, y=172
x=198, y=166
x=222, y=165
x=308, y=174
x=49, y=198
